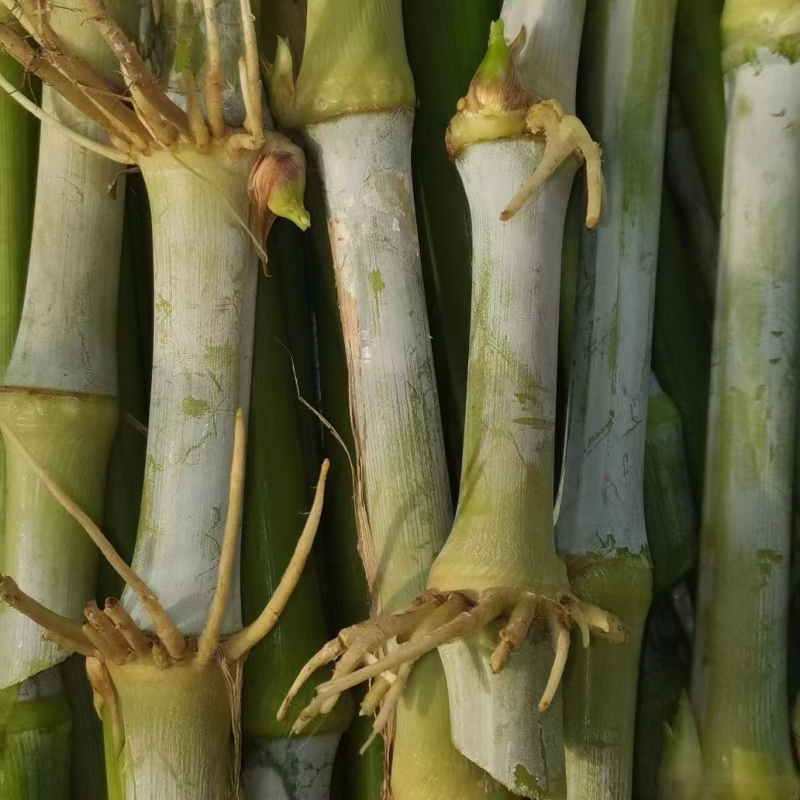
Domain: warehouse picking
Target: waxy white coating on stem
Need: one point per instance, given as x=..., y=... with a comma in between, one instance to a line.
x=503, y=533
x=600, y=514
x=66, y=343
x=296, y=768
x=403, y=498
x=505, y=510
x=394, y=404
x=204, y=295
x=740, y=646
x=600, y=505
x=548, y=59
x=67, y=337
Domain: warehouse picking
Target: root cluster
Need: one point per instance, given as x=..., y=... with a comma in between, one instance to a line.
x=436, y=619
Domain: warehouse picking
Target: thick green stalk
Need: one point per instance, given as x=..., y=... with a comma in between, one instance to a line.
x=204, y=297
x=445, y=40
x=682, y=339
x=697, y=79
x=746, y=526
x=354, y=98
x=502, y=536
x=275, y=765
x=18, y=136
x=600, y=524
x=170, y=704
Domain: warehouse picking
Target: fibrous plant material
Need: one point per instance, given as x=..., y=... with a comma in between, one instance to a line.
x=353, y=97
x=276, y=765
x=60, y=396
x=492, y=565
x=600, y=526
x=216, y=179
x=739, y=693
x=445, y=40
x=697, y=82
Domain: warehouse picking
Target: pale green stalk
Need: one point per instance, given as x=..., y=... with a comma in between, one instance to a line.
x=60, y=399
x=600, y=522
x=740, y=647
x=354, y=98
x=503, y=532
x=170, y=705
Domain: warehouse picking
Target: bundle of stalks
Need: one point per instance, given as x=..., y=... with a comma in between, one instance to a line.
x=165, y=663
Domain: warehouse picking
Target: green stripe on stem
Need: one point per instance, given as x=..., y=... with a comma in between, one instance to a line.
x=740, y=646
x=277, y=499
x=601, y=525
x=697, y=78
x=445, y=40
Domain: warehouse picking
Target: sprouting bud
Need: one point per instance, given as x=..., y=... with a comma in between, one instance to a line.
x=280, y=83
x=277, y=185
x=496, y=87
x=497, y=99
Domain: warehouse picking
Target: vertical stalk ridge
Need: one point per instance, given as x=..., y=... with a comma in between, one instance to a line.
x=204, y=299
x=354, y=66
x=18, y=138
x=445, y=40
x=275, y=764
x=61, y=380
x=746, y=527
x=600, y=520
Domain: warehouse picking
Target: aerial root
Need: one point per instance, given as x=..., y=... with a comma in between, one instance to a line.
x=435, y=620
x=375, y=695
x=240, y=643
x=561, y=639
x=67, y=630
x=361, y=640
x=565, y=136
x=112, y=635
x=145, y=88
x=214, y=77
x=117, y=647
x=519, y=623
x=250, y=74
x=164, y=627
x=209, y=639
x=137, y=641
x=196, y=121
x=447, y=612
x=74, y=79
x=354, y=644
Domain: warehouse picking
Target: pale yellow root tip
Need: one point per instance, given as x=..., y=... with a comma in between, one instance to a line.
x=565, y=136
x=561, y=641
